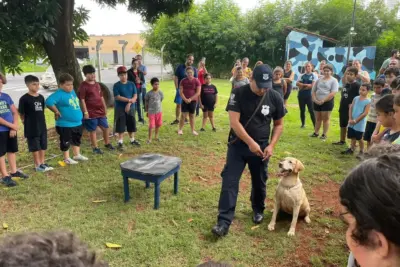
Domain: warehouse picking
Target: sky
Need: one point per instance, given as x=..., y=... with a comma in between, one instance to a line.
x=105, y=20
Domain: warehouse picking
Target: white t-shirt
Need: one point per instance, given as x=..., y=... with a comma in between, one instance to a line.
x=323, y=88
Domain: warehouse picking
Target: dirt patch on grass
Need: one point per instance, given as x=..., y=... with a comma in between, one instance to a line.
x=325, y=198
x=6, y=205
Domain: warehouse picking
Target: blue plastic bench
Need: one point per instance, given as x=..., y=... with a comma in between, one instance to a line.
x=151, y=168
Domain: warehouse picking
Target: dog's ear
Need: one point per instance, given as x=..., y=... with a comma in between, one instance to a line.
x=298, y=167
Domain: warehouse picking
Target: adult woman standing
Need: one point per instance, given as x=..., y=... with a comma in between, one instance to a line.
x=371, y=209
x=305, y=83
x=288, y=76
x=323, y=94
x=362, y=76
x=137, y=77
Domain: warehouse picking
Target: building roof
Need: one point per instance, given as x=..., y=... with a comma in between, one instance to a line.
x=288, y=29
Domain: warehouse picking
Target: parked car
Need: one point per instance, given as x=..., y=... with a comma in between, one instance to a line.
x=48, y=79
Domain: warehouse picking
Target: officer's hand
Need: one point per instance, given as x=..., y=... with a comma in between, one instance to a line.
x=268, y=151
x=256, y=149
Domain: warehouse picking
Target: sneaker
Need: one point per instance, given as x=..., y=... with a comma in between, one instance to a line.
x=97, y=151
x=109, y=147
x=180, y=132
x=148, y=142
x=195, y=133
x=20, y=174
x=347, y=152
x=202, y=130
x=323, y=137
x=175, y=122
x=70, y=161
x=214, y=129
x=80, y=158
x=7, y=181
x=120, y=147
x=158, y=139
x=46, y=167
x=314, y=135
x=40, y=168
x=135, y=143
x=340, y=143
x=302, y=126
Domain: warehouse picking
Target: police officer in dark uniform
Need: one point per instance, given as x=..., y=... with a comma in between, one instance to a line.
x=251, y=109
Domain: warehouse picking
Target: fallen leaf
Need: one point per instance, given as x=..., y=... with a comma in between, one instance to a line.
x=326, y=231
x=99, y=201
x=255, y=227
x=114, y=246
x=174, y=222
x=202, y=178
x=5, y=226
x=62, y=163
x=119, y=156
x=190, y=220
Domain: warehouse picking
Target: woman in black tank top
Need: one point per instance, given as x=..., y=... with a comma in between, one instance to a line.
x=288, y=76
x=278, y=83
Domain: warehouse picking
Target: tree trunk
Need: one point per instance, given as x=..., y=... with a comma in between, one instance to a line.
x=62, y=53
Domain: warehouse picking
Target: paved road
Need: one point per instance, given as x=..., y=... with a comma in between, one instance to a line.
x=16, y=88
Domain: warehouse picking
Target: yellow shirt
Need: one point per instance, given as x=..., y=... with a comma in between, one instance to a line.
x=246, y=72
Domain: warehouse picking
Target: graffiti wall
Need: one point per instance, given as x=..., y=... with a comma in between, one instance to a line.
x=301, y=48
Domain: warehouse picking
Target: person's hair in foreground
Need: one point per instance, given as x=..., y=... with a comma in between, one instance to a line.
x=371, y=199
x=61, y=248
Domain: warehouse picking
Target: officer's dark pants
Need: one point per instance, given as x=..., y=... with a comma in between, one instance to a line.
x=238, y=156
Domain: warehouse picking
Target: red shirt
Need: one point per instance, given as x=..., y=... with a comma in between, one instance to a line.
x=190, y=87
x=201, y=76
x=92, y=95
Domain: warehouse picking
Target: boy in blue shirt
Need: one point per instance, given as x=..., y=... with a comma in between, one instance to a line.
x=357, y=119
x=8, y=137
x=68, y=114
x=125, y=94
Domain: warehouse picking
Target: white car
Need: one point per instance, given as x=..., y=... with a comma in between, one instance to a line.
x=48, y=79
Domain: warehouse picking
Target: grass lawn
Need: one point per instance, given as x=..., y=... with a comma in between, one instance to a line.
x=30, y=67
x=178, y=234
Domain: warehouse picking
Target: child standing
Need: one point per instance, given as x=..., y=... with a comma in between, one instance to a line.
x=357, y=113
x=31, y=109
x=8, y=137
x=239, y=79
x=372, y=129
x=208, y=101
x=94, y=109
x=153, y=108
x=68, y=114
x=349, y=92
x=278, y=83
x=125, y=94
x=386, y=116
x=391, y=74
x=396, y=107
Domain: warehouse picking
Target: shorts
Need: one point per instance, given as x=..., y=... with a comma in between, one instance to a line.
x=69, y=136
x=125, y=121
x=189, y=108
x=178, y=98
x=353, y=134
x=327, y=106
x=369, y=130
x=8, y=144
x=155, y=120
x=208, y=107
x=343, y=118
x=91, y=124
x=37, y=143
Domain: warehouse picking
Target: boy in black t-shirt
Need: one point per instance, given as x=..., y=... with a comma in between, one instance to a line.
x=31, y=109
x=208, y=101
x=349, y=92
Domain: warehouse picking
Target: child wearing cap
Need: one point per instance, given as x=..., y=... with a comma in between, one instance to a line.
x=68, y=114
x=153, y=101
x=94, y=109
x=125, y=94
x=8, y=137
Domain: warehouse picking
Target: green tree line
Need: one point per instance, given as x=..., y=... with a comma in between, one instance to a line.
x=219, y=31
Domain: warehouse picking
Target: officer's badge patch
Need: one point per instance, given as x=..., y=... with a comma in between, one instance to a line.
x=232, y=101
x=265, y=110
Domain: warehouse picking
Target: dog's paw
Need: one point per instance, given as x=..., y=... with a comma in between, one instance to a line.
x=271, y=227
x=307, y=219
x=291, y=232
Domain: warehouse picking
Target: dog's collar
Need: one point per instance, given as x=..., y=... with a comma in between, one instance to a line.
x=297, y=185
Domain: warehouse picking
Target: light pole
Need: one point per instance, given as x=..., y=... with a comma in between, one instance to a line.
x=351, y=32
x=162, y=62
x=124, y=44
x=98, y=47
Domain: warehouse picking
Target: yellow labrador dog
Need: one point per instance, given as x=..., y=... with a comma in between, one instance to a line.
x=290, y=195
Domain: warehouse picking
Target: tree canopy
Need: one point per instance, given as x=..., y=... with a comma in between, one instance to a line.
x=217, y=30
